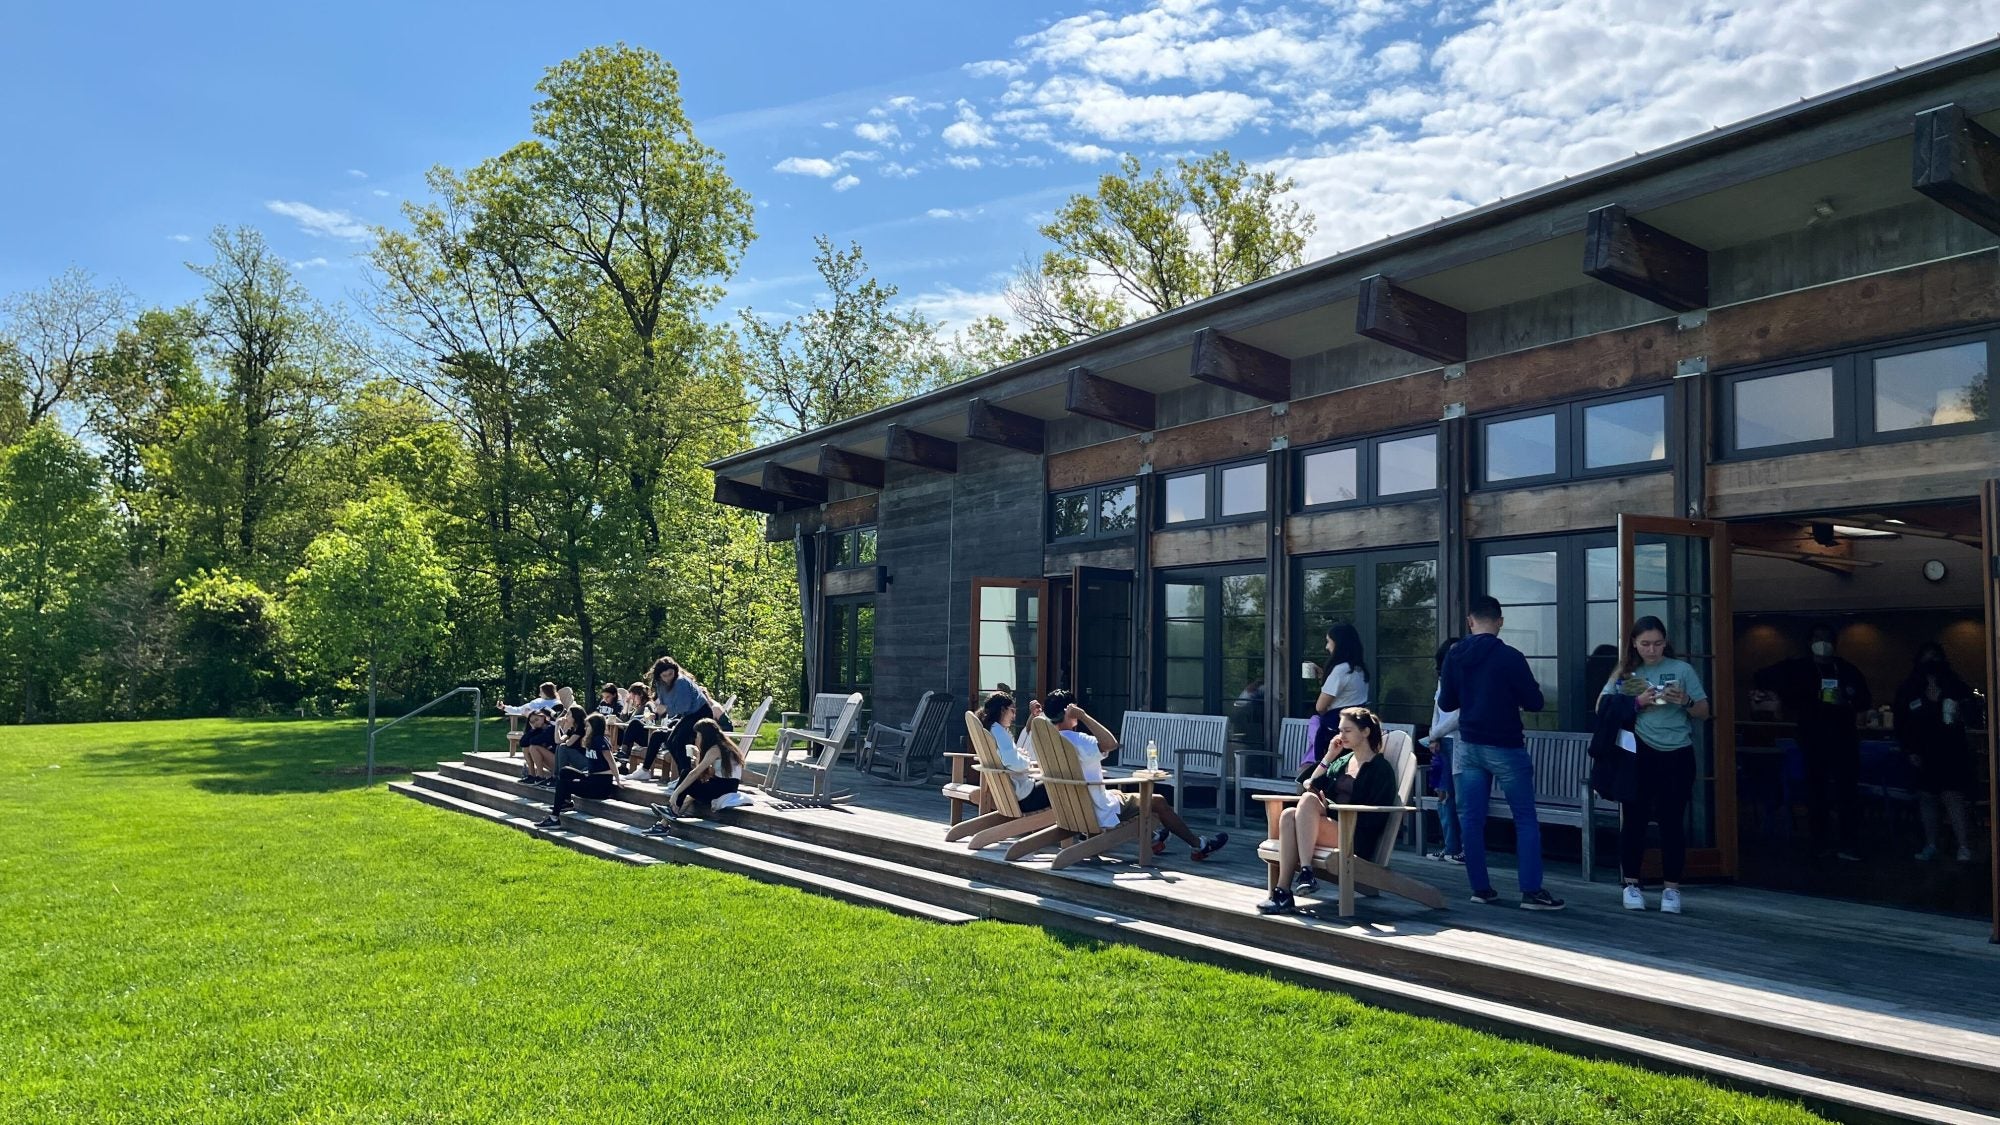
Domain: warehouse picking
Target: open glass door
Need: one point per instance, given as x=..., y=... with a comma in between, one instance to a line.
x=1010, y=627
x=1989, y=536
x=1101, y=640
x=1690, y=592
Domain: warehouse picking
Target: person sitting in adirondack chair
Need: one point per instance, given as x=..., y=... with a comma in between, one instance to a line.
x=998, y=714
x=1092, y=742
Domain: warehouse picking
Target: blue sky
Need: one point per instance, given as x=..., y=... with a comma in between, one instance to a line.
x=935, y=134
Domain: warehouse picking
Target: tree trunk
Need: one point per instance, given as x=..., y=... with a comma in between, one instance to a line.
x=584, y=632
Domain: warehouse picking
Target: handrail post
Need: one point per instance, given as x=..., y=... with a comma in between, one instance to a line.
x=476, y=700
x=370, y=783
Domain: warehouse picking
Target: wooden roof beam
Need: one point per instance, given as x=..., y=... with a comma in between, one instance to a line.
x=1094, y=396
x=926, y=451
x=1237, y=366
x=749, y=497
x=793, y=484
x=1644, y=261
x=836, y=463
x=1956, y=161
x=996, y=425
x=1410, y=321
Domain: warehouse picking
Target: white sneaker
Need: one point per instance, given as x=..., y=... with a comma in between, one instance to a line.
x=1670, y=901
x=1964, y=854
x=1635, y=899
x=642, y=775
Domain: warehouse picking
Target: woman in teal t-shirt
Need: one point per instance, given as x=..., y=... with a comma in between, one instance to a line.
x=1671, y=700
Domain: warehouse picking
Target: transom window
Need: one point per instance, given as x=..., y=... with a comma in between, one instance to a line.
x=1393, y=467
x=849, y=549
x=1098, y=512
x=1598, y=437
x=1216, y=494
x=1929, y=388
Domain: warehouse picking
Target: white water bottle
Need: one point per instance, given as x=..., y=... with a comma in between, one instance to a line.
x=1152, y=756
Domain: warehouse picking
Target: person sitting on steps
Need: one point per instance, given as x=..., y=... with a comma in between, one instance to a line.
x=717, y=770
x=583, y=766
x=538, y=747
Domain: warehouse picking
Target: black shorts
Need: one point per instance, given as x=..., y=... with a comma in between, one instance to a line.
x=1036, y=800
x=708, y=789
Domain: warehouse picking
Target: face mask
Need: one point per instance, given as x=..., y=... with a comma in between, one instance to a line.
x=1822, y=648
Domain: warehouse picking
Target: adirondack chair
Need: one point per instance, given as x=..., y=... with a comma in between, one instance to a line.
x=1006, y=820
x=1274, y=772
x=908, y=749
x=1334, y=854
x=1076, y=813
x=820, y=763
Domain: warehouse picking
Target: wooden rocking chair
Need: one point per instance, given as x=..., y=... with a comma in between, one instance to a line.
x=826, y=751
x=1333, y=854
x=1075, y=812
x=1006, y=821
x=911, y=749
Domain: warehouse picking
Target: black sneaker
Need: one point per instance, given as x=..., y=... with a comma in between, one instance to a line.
x=1280, y=902
x=658, y=830
x=1304, y=882
x=1487, y=897
x=1159, y=841
x=663, y=812
x=1210, y=845
x=1540, y=900
x=550, y=821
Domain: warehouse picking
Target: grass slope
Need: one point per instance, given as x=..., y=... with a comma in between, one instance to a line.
x=211, y=921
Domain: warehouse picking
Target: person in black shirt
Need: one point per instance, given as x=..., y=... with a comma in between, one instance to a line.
x=1358, y=774
x=1932, y=706
x=584, y=767
x=632, y=721
x=1824, y=694
x=538, y=748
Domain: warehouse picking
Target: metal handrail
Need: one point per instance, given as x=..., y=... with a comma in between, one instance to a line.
x=413, y=714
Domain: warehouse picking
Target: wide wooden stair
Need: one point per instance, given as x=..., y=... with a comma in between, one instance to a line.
x=1778, y=1046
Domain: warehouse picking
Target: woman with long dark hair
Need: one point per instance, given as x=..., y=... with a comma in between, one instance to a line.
x=1931, y=710
x=1670, y=700
x=583, y=765
x=717, y=770
x=1359, y=775
x=1345, y=685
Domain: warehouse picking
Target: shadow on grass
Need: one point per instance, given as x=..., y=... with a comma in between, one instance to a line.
x=268, y=756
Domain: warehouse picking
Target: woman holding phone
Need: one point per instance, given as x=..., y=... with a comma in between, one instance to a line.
x=1671, y=700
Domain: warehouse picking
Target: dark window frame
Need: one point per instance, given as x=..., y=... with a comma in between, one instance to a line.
x=1093, y=509
x=1854, y=394
x=1367, y=471
x=1211, y=577
x=1308, y=638
x=1212, y=492
x=837, y=668
x=843, y=548
x=1571, y=449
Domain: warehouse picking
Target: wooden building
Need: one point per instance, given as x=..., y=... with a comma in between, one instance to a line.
x=1757, y=363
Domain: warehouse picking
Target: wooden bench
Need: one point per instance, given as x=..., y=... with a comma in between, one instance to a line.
x=1194, y=747
x=1562, y=791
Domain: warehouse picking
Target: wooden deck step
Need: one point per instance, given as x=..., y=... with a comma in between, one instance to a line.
x=574, y=841
x=1204, y=918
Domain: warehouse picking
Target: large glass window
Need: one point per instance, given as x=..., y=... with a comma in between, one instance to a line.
x=850, y=646
x=1186, y=498
x=1405, y=465
x=1098, y=512
x=1212, y=646
x=1222, y=492
x=1382, y=468
x=1243, y=490
x=1332, y=476
x=1937, y=387
x=1184, y=625
x=1627, y=432
x=1527, y=584
x=1391, y=600
x=1519, y=449
x=1008, y=648
x=1793, y=408
x=847, y=549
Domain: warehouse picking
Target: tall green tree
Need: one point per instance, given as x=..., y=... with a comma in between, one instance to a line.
x=57, y=543
x=147, y=373
x=372, y=593
x=51, y=337
x=1147, y=242
x=853, y=352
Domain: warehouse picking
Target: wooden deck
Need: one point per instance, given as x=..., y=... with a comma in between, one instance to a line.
x=1874, y=998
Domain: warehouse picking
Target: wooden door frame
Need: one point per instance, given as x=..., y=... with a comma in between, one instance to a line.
x=1722, y=647
x=1041, y=587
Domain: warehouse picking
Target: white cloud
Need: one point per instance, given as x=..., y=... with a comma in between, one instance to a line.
x=845, y=182
x=310, y=263
x=996, y=68
x=946, y=213
x=970, y=130
x=180, y=238
x=962, y=162
x=806, y=166
x=1107, y=112
x=1400, y=57
x=318, y=222
x=1088, y=154
x=357, y=173
x=379, y=193
x=877, y=132
x=896, y=171
x=951, y=307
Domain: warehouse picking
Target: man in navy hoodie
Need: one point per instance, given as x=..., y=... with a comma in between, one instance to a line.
x=1489, y=684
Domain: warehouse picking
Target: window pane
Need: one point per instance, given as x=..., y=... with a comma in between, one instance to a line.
x=1187, y=498
x=1072, y=516
x=1939, y=387
x=1405, y=584
x=1242, y=594
x=1185, y=599
x=1331, y=477
x=1530, y=628
x=1519, y=578
x=1600, y=567
x=1187, y=679
x=1406, y=465
x=1117, y=509
x=999, y=603
x=1328, y=592
x=1185, y=638
x=1550, y=716
x=1783, y=409
x=837, y=551
x=1406, y=632
x=1523, y=447
x=864, y=546
x=1625, y=433
x=1242, y=490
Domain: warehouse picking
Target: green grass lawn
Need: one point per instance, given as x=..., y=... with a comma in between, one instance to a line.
x=213, y=921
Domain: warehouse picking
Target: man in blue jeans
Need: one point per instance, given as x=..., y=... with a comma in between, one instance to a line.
x=1489, y=684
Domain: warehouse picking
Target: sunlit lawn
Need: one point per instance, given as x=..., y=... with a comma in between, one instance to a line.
x=213, y=921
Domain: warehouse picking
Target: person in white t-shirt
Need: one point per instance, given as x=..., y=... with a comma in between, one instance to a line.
x=997, y=712
x=1345, y=685
x=1092, y=742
